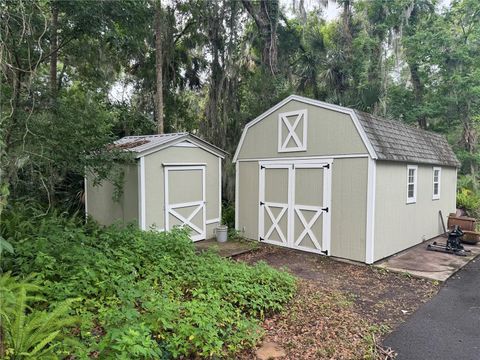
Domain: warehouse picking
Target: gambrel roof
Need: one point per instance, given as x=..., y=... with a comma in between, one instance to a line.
x=385, y=139
x=146, y=144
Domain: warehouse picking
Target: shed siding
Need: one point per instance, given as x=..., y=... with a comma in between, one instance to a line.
x=349, y=205
x=349, y=208
x=154, y=183
x=104, y=209
x=248, y=188
x=329, y=133
x=399, y=225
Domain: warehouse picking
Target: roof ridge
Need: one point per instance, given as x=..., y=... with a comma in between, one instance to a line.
x=154, y=135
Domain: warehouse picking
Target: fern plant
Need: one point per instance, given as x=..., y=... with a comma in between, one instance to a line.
x=29, y=333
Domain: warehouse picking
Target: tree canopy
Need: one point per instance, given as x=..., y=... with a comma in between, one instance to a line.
x=77, y=74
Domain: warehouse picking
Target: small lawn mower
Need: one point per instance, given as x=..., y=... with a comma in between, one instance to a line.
x=453, y=245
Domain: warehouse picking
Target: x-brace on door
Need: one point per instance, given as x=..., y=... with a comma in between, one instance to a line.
x=295, y=204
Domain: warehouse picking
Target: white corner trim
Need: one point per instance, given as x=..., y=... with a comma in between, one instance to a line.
x=370, y=233
x=341, y=109
x=413, y=199
x=237, y=185
x=219, y=188
x=439, y=182
x=141, y=195
x=85, y=199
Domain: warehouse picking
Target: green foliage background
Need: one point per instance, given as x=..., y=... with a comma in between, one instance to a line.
x=224, y=63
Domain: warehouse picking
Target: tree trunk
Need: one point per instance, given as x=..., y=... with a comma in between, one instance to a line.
x=158, y=67
x=470, y=139
x=266, y=18
x=418, y=91
x=54, y=51
x=346, y=17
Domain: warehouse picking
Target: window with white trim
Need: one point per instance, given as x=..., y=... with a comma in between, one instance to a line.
x=412, y=183
x=292, y=131
x=437, y=175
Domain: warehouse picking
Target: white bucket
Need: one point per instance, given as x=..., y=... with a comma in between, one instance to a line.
x=221, y=233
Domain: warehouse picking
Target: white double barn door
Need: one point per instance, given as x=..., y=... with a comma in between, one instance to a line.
x=294, y=206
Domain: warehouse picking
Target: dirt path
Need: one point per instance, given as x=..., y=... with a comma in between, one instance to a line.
x=339, y=306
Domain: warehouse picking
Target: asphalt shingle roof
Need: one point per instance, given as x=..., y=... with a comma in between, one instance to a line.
x=396, y=141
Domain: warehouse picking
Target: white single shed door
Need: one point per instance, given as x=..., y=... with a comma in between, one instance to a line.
x=294, y=206
x=185, y=199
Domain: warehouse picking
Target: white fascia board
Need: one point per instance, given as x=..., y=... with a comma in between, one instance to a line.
x=341, y=109
x=183, y=139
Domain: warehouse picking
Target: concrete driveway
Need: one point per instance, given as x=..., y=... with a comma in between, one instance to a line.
x=448, y=326
x=429, y=264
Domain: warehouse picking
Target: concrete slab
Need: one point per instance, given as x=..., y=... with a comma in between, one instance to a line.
x=418, y=261
x=230, y=248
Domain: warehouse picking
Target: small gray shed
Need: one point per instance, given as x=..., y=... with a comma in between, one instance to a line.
x=176, y=181
x=336, y=181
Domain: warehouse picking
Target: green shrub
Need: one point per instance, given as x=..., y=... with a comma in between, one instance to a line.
x=228, y=214
x=32, y=333
x=469, y=200
x=144, y=294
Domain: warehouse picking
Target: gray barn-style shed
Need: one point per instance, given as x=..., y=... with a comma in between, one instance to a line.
x=176, y=181
x=332, y=180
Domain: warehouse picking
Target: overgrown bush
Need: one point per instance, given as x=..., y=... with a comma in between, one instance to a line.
x=469, y=201
x=144, y=294
x=468, y=196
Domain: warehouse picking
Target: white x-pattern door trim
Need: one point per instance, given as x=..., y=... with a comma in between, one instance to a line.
x=275, y=221
x=199, y=205
x=291, y=208
x=308, y=225
x=283, y=121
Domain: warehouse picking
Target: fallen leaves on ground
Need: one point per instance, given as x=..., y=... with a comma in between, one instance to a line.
x=341, y=310
x=321, y=324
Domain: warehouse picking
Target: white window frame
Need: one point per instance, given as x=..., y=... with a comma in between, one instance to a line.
x=291, y=128
x=439, y=181
x=413, y=199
